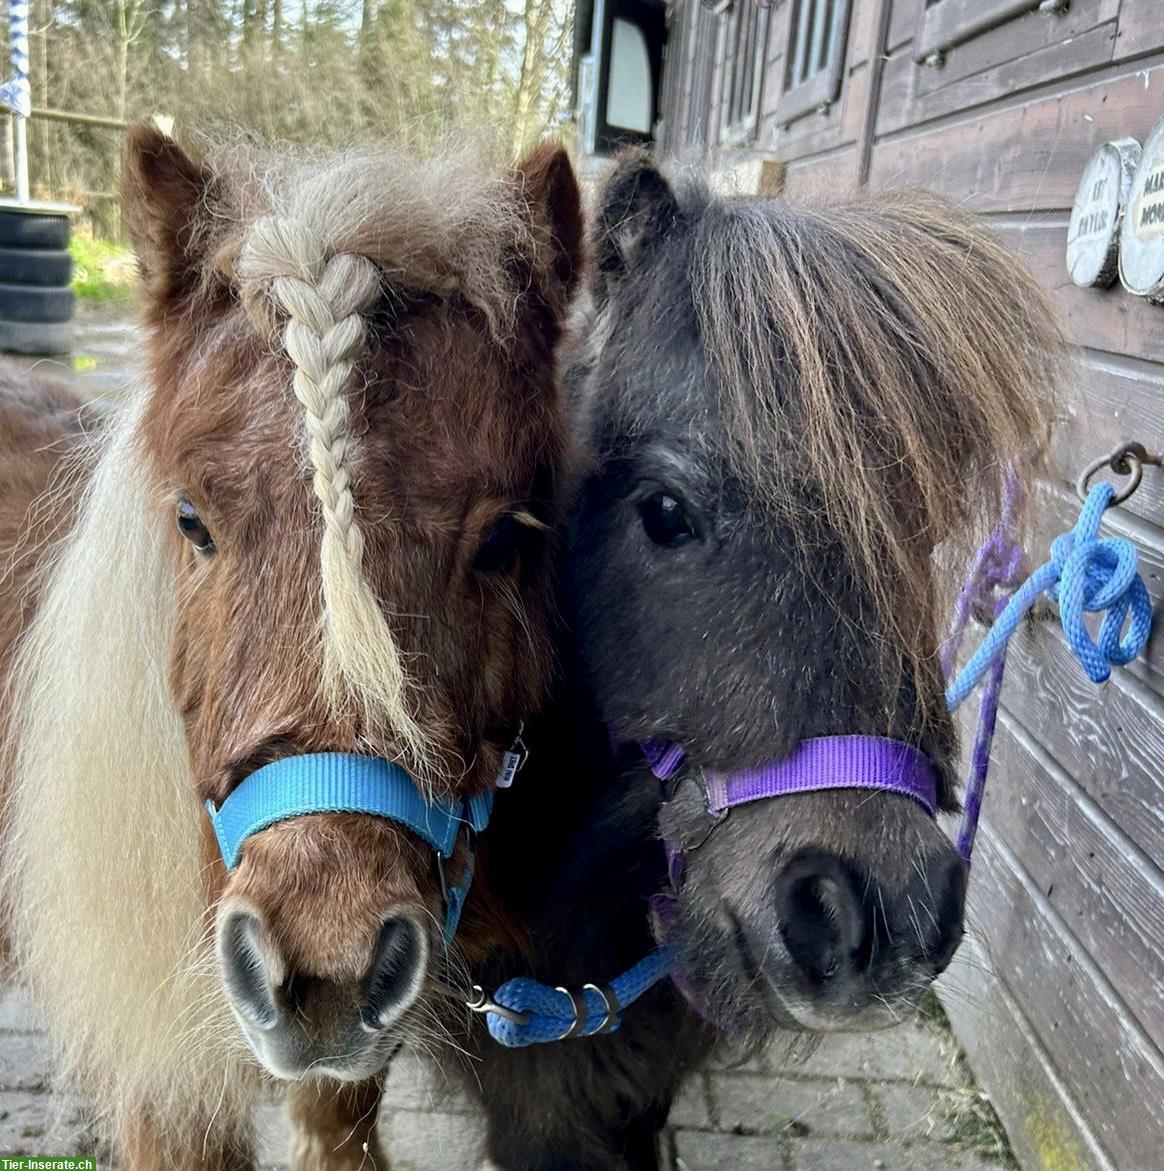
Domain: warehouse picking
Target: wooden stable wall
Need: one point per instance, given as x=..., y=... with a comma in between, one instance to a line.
x=1059, y=996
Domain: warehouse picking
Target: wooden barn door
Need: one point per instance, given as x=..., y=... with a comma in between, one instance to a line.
x=1059, y=993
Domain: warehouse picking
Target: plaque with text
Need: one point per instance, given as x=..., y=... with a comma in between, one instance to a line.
x=1093, y=233
x=1142, y=234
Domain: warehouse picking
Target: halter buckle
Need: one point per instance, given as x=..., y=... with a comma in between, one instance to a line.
x=481, y=1001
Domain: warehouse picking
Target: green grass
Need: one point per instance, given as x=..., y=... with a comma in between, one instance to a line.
x=102, y=270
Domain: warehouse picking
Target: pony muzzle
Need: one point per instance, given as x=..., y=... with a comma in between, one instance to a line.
x=296, y=1021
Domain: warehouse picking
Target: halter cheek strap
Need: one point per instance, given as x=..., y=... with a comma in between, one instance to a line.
x=339, y=782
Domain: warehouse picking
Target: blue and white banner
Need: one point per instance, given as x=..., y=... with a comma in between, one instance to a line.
x=15, y=94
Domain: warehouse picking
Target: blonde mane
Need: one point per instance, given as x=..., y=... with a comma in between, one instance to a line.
x=106, y=899
x=324, y=298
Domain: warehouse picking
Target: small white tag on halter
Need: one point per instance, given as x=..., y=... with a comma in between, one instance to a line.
x=511, y=762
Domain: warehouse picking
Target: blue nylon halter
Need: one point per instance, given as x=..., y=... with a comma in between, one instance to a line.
x=339, y=782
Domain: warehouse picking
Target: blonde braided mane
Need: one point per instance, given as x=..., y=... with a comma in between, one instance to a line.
x=287, y=269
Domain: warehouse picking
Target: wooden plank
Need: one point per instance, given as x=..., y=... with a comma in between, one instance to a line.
x=1111, y=320
x=1141, y=29
x=1021, y=74
x=1098, y=882
x=903, y=22
x=1111, y=400
x=1104, y=1059
x=1027, y=156
x=949, y=23
x=838, y=126
x=1044, y=1124
x=773, y=86
x=1077, y=722
x=1021, y=37
x=811, y=180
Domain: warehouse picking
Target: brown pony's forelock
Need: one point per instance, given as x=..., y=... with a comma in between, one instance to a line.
x=885, y=360
x=447, y=226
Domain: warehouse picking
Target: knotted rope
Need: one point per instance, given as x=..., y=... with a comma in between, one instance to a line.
x=287, y=266
x=1085, y=574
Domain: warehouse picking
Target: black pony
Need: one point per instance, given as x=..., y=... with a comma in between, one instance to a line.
x=783, y=412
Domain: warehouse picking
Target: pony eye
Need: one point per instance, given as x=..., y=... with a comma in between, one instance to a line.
x=191, y=526
x=665, y=520
x=499, y=548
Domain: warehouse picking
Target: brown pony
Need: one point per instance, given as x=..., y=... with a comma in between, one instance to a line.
x=319, y=526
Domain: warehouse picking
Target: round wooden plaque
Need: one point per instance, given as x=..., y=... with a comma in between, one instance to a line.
x=1142, y=234
x=1093, y=233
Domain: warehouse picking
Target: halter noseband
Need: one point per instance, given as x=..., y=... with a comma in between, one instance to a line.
x=826, y=762
x=341, y=782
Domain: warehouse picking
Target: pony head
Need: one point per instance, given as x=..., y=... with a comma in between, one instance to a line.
x=321, y=527
x=789, y=411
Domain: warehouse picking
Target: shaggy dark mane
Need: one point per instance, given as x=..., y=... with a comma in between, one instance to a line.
x=877, y=351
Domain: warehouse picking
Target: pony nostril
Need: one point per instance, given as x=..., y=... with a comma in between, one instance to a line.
x=393, y=981
x=949, y=906
x=821, y=920
x=251, y=968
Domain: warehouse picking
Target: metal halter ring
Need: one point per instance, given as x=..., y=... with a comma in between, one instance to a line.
x=479, y=1000
x=578, y=1000
x=611, y=1003
x=1127, y=459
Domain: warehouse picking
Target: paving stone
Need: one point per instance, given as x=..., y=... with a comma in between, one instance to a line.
x=699, y=1150
x=747, y=1103
x=913, y=1112
x=15, y=1011
x=36, y=1124
x=831, y=1155
x=912, y=1052
x=691, y=1107
x=412, y=1084
x=423, y=1141
x=23, y=1062
x=271, y=1135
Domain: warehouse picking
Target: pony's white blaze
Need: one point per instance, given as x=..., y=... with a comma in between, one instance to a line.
x=103, y=866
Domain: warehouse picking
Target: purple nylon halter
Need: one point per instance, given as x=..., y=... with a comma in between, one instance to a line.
x=825, y=762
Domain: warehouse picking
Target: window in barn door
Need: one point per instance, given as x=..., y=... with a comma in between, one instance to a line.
x=945, y=24
x=745, y=42
x=814, y=57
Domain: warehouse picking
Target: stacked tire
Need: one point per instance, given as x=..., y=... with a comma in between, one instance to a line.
x=36, y=302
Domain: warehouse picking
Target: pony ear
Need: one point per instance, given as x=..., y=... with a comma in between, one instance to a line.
x=637, y=207
x=163, y=197
x=546, y=179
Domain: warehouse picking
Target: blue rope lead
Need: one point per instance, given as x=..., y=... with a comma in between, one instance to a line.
x=549, y=1014
x=1084, y=575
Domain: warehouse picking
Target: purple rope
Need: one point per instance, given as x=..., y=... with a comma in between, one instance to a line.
x=997, y=571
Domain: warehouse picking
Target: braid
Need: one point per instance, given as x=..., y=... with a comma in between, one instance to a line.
x=284, y=266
